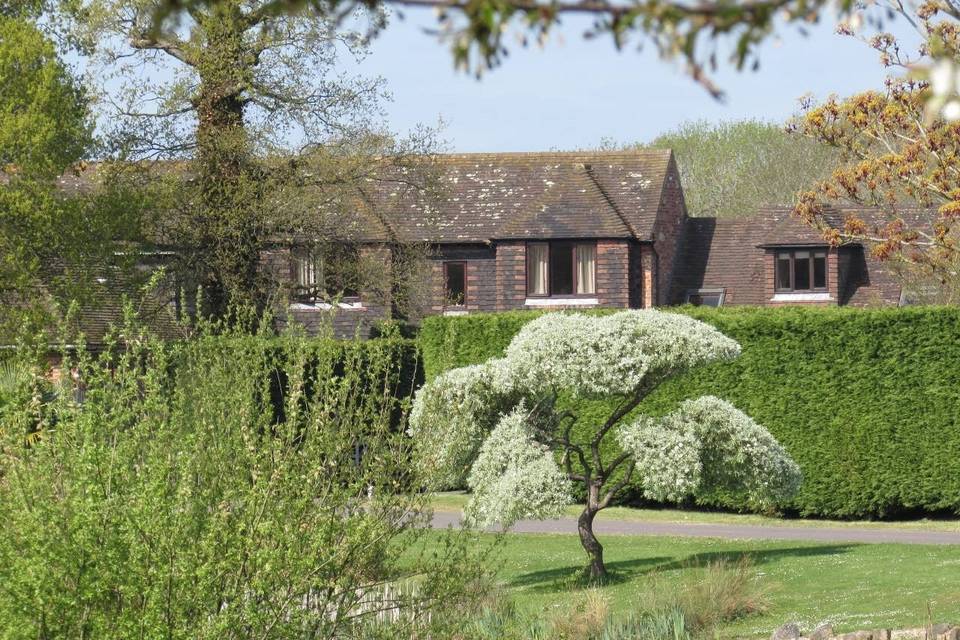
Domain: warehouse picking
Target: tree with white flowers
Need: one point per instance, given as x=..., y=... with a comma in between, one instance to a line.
x=499, y=424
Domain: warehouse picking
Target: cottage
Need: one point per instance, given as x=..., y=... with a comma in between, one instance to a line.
x=610, y=229
x=567, y=230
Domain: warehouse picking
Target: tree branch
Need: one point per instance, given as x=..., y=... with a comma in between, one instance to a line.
x=171, y=46
x=617, y=487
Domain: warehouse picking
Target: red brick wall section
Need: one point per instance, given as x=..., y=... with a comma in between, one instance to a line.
x=481, y=277
x=648, y=285
x=668, y=231
x=511, y=274
x=613, y=273
x=867, y=282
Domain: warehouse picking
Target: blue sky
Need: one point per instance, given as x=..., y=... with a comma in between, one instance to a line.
x=573, y=93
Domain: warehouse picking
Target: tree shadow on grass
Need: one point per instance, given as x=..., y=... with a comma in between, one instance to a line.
x=563, y=578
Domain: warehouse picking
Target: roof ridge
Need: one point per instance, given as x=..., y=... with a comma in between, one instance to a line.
x=378, y=214
x=606, y=196
x=558, y=154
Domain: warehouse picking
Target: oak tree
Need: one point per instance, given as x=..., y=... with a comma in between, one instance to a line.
x=262, y=138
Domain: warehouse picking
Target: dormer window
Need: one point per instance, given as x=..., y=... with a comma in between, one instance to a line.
x=801, y=270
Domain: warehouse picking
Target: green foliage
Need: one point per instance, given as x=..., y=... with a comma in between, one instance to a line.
x=43, y=119
x=44, y=235
x=731, y=168
x=212, y=489
x=866, y=401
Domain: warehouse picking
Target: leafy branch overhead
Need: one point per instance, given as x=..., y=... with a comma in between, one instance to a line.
x=478, y=30
x=899, y=147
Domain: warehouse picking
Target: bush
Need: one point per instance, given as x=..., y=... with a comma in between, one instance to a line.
x=866, y=401
x=233, y=486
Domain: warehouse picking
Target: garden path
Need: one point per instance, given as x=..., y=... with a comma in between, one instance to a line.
x=443, y=519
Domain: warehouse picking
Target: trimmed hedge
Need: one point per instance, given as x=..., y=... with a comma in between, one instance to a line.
x=866, y=401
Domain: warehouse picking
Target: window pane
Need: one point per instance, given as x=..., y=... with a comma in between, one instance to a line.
x=704, y=298
x=561, y=270
x=306, y=270
x=783, y=271
x=586, y=259
x=537, y=269
x=801, y=270
x=819, y=271
x=340, y=271
x=456, y=283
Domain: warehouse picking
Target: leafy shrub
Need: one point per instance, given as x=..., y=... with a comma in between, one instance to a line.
x=866, y=401
x=233, y=486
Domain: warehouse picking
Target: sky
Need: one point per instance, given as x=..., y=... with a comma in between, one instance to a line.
x=574, y=93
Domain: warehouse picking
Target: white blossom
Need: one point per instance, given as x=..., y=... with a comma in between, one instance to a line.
x=514, y=476
x=614, y=354
x=708, y=443
x=667, y=458
x=450, y=417
x=478, y=423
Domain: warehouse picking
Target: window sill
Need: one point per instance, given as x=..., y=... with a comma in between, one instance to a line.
x=324, y=306
x=802, y=297
x=561, y=302
x=455, y=311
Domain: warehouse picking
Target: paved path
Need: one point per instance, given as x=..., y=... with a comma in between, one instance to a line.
x=442, y=519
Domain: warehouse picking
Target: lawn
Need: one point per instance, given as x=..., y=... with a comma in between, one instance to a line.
x=852, y=586
x=454, y=501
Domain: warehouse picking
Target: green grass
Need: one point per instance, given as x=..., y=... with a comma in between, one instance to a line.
x=454, y=501
x=852, y=586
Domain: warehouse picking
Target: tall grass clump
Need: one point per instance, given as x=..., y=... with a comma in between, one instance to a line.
x=231, y=486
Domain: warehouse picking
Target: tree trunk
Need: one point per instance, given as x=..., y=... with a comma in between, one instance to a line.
x=228, y=239
x=596, y=569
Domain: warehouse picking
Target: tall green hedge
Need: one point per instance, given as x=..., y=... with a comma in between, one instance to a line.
x=866, y=401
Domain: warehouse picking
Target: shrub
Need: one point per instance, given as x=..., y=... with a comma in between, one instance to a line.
x=866, y=401
x=233, y=486
x=718, y=592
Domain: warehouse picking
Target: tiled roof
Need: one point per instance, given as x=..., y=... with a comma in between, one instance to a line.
x=487, y=196
x=522, y=195
x=783, y=228
x=102, y=307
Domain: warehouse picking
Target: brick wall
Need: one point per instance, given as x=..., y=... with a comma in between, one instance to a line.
x=511, y=275
x=668, y=232
x=648, y=279
x=613, y=273
x=866, y=281
x=481, y=276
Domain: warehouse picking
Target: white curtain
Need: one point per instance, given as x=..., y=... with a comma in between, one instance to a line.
x=306, y=271
x=537, y=269
x=586, y=257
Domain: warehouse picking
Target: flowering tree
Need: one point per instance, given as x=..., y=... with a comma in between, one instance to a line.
x=500, y=426
x=899, y=147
